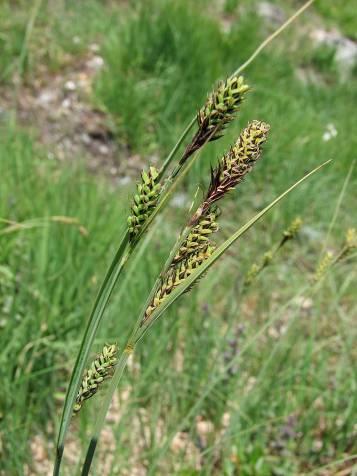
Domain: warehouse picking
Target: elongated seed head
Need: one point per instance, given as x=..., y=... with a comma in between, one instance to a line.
x=252, y=274
x=291, y=232
x=323, y=266
x=349, y=245
x=100, y=369
x=221, y=106
x=256, y=268
x=293, y=228
x=199, y=237
x=218, y=111
x=236, y=163
x=176, y=275
x=351, y=238
x=145, y=201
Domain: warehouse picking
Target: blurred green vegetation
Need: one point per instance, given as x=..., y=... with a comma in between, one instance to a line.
x=153, y=100
x=286, y=406
x=342, y=14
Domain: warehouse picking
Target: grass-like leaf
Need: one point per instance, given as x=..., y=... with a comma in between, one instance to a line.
x=241, y=68
x=87, y=341
x=219, y=252
x=139, y=331
x=124, y=252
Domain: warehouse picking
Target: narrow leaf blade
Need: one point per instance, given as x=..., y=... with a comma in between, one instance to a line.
x=220, y=250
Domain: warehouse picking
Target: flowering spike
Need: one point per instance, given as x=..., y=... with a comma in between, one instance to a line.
x=256, y=268
x=218, y=111
x=100, y=369
x=144, y=201
x=194, y=250
x=176, y=275
x=198, y=238
x=351, y=239
x=323, y=266
x=252, y=274
x=221, y=106
x=235, y=164
x=292, y=230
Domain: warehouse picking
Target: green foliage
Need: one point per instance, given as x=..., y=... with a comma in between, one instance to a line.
x=145, y=201
x=34, y=34
x=46, y=278
x=101, y=368
x=160, y=61
x=278, y=360
x=230, y=6
x=342, y=13
x=150, y=106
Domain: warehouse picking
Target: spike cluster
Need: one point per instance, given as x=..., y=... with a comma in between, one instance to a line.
x=291, y=232
x=221, y=106
x=255, y=269
x=235, y=164
x=175, y=276
x=323, y=266
x=330, y=259
x=218, y=111
x=349, y=245
x=351, y=239
x=195, y=249
x=145, y=201
x=198, y=238
x=101, y=368
x=252, y=274
x=288, y=234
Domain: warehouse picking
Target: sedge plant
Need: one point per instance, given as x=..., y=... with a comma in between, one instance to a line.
x=194, y=252
x=177, y=277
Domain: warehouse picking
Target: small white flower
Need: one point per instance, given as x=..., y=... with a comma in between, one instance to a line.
x=329, y=133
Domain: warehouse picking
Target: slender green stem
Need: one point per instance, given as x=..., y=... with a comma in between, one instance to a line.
x=117, y=266
x=114, y=383
x=119, y=370
x=218, y=253
x=241, y=68
x=103, y=410
x=337, y=207
x=94, y=320
x=270, y=38
x=135, y=260
x=176, y=147
x=140, y=330
x=121, y=258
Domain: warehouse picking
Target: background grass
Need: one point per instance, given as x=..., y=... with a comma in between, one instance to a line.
x=286, y=405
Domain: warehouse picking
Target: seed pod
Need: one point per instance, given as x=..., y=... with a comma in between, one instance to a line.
x=101, y=369
x=144, y=202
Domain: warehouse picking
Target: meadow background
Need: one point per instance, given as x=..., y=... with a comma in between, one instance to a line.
x=231, y=382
